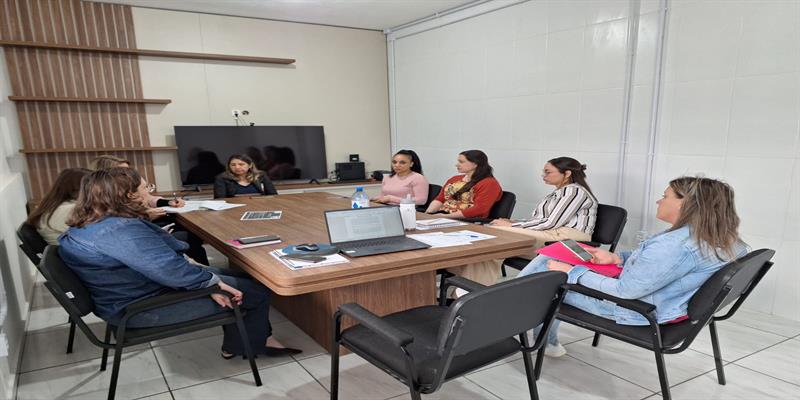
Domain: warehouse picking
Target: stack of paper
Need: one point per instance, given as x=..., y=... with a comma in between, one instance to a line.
x=295, y=264
x=194, y=205
x=441, y=239
x=437, y=223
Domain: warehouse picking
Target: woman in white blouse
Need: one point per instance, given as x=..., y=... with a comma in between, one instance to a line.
x=569, y=212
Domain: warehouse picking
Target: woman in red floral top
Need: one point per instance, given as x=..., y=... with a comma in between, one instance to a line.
x=472, y=194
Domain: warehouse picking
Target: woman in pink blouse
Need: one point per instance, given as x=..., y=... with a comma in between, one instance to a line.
x=406, y=178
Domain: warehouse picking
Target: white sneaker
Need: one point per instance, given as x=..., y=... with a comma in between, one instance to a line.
x=554, y=350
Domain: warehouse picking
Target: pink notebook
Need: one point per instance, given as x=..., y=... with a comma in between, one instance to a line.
x=561, y=253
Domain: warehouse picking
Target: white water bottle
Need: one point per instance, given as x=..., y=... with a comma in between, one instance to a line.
x=408, y=211
x=359, y=198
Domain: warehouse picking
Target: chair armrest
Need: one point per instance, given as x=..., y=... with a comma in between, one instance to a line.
x=376, y=324
x=464, y=283
x=634, y=305
x=170, y=298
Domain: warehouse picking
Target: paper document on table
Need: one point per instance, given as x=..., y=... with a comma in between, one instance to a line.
x=470, y=235
x=194, y=205
x=438, y=223
x=439, y=239
x=295, y=264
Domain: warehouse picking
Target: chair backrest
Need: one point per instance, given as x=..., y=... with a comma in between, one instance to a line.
x=65, y=285
x=31, y=242
x=739, y=277
x=504, y=207
x=501, y=311
x=609, y=224
x=433, y=191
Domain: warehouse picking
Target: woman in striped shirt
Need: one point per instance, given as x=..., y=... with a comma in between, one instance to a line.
x=569, y=212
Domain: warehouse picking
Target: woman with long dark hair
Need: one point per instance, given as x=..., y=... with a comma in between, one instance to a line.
x=50, y=216
x=242, y=177
x=470, y=194
x=123, y=258
x=569, y=212
x=666, y=269
x=406, y=178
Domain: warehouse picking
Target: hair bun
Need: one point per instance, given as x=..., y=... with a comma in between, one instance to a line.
x=583, y=167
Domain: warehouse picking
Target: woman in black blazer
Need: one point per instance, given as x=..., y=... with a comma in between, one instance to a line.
x=241, y=177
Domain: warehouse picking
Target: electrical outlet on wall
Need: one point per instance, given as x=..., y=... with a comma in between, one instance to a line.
x=236, y=113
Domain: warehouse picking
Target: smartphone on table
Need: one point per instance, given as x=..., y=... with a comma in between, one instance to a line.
x=577, y=249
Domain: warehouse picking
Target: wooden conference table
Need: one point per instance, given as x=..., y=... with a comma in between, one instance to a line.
x=382, y=284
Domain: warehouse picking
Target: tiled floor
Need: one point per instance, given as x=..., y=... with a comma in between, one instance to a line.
x=761, y=354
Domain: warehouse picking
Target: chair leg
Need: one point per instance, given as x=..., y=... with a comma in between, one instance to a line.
x=442, y=290
x=537, y=371
x=596, y=339
x=503, y=270
x=112, y=388
x=107, y=339
x=530, y=374
x=247, y=349
x=662, y=375
x=71, y=339
x=335, y=371
x=415, y=395
x=712, y=327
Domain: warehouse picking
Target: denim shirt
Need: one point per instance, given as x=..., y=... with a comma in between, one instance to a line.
x=122, y=260
x=665, y=270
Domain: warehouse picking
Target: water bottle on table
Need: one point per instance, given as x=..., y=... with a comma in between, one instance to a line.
x=359, y=198
x=408, y=211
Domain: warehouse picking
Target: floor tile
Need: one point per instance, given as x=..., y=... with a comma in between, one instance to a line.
x=275, y=316
x=139, y=377
x=48, y=349
x=42, y=298
x=736, y=341
x=779, y=361
x=289, y=335
x=638, y=365
x=358, y=379
x=562, y=378
x=288, y=381
x=205, y=333
x=568, y=333
x=459, y=389
x=198, y=361
x=741, y=384
x=767, y=322
x=160, y=396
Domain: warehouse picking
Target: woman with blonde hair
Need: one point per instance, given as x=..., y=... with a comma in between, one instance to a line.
x=106, y=161
x=666, y=269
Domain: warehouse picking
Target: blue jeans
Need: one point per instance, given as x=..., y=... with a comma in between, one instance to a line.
x=591, y=305
x=255, y=305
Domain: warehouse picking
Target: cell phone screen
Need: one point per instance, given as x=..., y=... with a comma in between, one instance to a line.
x=576, y=249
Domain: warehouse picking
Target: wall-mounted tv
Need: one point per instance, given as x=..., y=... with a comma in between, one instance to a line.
x=284, y=153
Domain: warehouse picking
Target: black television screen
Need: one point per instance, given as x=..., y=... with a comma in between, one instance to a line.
x=282, y=152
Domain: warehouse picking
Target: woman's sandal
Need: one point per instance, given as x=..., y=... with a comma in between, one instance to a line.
x=267, y=351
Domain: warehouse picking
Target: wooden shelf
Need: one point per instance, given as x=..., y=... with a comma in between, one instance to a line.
x=97, y=150
x=150, y=53
x=89, y=99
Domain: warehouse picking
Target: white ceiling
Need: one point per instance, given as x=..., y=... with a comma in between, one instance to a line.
x=365, y=14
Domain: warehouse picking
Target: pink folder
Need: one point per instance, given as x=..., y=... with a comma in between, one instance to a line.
x=561, y=253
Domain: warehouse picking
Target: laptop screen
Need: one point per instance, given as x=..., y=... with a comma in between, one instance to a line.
x=364, y=223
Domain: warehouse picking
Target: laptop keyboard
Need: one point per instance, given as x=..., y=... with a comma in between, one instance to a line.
x=369, y=243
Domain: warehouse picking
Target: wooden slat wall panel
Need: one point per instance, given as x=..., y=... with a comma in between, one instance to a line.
x=70, y=73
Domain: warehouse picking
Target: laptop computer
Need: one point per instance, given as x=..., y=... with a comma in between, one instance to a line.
x=368, y=231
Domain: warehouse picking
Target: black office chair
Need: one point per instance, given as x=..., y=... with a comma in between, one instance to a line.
x=33, y=245
x=733, y=282
x=503, y=208
x=73, y=296
x=433, y=191
x=425, y=346
x=608, y=229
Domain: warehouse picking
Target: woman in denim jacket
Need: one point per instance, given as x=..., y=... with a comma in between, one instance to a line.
x=666, y=269
x=122, y=258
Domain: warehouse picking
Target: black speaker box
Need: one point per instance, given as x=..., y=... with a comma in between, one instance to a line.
x=351, y=171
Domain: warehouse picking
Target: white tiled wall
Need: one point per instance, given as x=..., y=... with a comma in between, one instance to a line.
x=543, y=79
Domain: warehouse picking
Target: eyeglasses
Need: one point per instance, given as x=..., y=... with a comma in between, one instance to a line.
x=151, y=187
